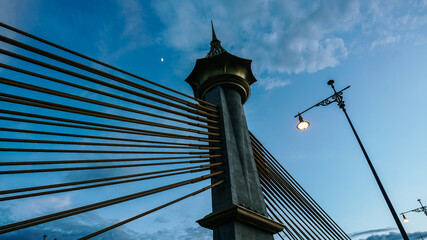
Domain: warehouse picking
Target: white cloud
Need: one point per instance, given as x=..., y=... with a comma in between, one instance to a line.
x=280, y=36
x=372, y=231
x=184, y=233
x=11, y=13
x=185, y=23
x=385, y=18
x=131, y=11
x=396, y=236
x=31, y=207
x=68, y=228
x=388, y=233
x=271, y=83
x=290, y=37
x=133, y=33
x=385, y=41
x=8, y=12
x=81, y=225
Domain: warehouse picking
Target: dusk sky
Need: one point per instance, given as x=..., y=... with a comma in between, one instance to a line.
x=378, y=47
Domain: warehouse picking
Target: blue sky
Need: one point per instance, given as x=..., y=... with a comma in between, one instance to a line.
x=377, y=47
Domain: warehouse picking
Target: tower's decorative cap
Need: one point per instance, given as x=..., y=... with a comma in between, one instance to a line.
x=216, y=47
x=220, y=68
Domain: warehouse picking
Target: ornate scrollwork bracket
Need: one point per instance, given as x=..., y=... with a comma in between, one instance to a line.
x=336, y=97
x=325, y=102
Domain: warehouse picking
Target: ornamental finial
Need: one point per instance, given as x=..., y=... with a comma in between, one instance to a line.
x=213, y=33
x=216, y=47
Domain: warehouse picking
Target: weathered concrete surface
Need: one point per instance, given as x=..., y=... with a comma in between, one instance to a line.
x=242, y=186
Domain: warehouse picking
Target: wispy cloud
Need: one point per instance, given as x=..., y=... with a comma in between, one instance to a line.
x=271, y=83
x=302, y=36
x=385, y=41
x=289, y=37
x=397, y=236
x=389, y=22
x=9, y=10
x=131, y=27
x=161, y=219
x=392, y=234
x=32, y=207
x=372, y=231
x=131, y=11
x=188, y=233
x=11, y=13
x=68, y=228
x=81, y=225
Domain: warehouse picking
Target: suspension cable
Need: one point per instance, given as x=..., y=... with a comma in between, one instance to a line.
x=102, y=144
x=88, y=100
x=91, y=186
x=81, y=76
x=26, y=189
x=150, y=211
x=98, y=62
x=91, y=207
x=318, y=212
x=39, y=170
x=105, y=160
x=100, y=127
x=189, y=145
x=60, y=107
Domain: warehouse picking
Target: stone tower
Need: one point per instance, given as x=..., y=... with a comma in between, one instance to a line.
x=239, y=211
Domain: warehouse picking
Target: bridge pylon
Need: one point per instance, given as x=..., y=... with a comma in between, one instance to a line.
x=239, y=211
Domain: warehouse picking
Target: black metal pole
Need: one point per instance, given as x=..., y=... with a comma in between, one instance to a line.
x=380, y=185
x=341, y=104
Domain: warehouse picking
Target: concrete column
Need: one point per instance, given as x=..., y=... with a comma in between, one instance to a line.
x=239, y=211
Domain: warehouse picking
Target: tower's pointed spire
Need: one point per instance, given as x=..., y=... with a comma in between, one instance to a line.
x=216, y=47
x=213, y=33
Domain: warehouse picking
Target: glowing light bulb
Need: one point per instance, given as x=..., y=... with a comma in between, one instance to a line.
x=302, y=125
x=405, y=220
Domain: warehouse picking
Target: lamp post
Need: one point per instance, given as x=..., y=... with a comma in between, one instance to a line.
x=420, y=209
x=337, y=97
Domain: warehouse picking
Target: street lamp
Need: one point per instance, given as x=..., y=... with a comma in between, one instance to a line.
x=420, y=209
x=302, y=125
x=337, y=97
x=405, y=220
